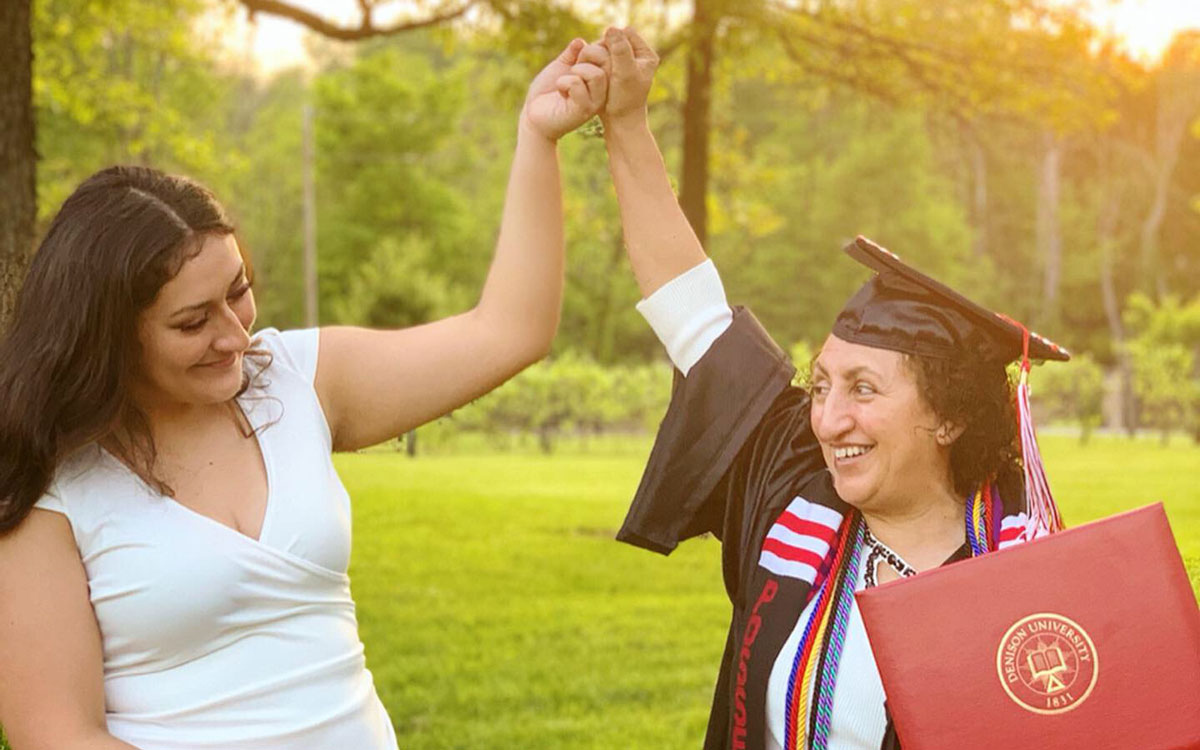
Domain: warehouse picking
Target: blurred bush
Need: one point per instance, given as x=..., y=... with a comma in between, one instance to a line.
x=1070, y=392
x=571, y=395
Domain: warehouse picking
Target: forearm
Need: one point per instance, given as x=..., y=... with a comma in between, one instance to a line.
x=523, y=292
x=92, y=740
x=102, y=742
x=658, y=237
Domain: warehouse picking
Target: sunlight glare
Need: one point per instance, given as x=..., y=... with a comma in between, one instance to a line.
x=1145, y=27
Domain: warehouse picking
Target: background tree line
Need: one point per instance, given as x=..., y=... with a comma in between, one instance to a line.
x=1001, y=144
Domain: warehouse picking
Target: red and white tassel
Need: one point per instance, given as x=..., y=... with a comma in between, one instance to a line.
x=1044, y=517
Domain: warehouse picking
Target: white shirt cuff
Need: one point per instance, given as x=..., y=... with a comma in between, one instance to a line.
x=688, y=314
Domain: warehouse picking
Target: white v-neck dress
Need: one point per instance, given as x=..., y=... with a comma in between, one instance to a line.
x=213, y=639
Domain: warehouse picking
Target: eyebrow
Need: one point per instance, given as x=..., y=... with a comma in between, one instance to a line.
x=201, y=305
x=851, y=373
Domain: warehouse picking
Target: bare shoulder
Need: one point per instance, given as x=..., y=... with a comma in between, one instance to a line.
x=50, y=652
x=42, y=580
x=41, y=543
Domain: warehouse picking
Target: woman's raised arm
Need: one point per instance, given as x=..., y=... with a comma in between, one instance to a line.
x=660, y=242
x=375, y=385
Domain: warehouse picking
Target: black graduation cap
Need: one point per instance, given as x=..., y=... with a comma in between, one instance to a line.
x=902, y=309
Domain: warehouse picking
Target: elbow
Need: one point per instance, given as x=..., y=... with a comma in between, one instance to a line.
x=533, y=352
x=542, y=343
x=524, y=342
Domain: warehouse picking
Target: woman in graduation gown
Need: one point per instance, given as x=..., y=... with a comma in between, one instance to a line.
x=900, y=456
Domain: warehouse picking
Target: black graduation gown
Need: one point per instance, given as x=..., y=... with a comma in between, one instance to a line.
x=734, y=449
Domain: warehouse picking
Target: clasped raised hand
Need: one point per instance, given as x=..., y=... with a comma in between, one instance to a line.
x=565, y=94
x=630, y=64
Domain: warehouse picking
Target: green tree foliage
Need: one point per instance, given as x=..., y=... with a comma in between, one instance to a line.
x=914, y=123
x=1165, y=351
x=385, y=136
x=1072, y=392
x=397, y=286
x=127, y=81
x=802, y=355
x=849, y=168
x=569, y=393
x=265, y=197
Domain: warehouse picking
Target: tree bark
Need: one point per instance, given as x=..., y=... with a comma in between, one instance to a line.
x=366, y=28
x=605, y=337
x=1049, y=231
x=1153, y=280
x=1178, y=103
x=1107, y=235
x=18, y=156
x=697, y=108
x=979, y=194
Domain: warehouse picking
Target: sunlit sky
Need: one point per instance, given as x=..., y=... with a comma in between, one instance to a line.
x=1144, y=26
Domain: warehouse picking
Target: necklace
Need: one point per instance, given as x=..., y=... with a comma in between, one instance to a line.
x=814, y=670
x=882, y=552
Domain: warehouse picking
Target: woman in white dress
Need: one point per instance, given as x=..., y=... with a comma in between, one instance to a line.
x=173, y=536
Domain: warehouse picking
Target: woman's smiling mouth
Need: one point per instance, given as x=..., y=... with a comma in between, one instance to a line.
x=845, y=453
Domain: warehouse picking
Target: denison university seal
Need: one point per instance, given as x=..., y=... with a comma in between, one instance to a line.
x=1047, y=663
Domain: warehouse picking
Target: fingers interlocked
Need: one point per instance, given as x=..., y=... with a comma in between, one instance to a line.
x=586, y=84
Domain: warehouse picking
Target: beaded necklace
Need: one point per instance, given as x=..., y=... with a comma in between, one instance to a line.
x=880, y=552
x=824, y=635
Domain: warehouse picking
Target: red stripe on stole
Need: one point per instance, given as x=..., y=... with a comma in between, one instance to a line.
x=795, y=554
x=805, y=527
x=1010, y=533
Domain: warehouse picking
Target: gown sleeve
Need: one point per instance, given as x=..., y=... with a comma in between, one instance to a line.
x=735, y=437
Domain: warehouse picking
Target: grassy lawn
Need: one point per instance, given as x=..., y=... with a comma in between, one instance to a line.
x=498, y=612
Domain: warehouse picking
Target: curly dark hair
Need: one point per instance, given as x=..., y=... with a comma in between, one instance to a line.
x=976, y=393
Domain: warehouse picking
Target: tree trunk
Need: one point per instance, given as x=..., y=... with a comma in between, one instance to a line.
x=1178, y=101
x=1049, y=231
x=18, y=157
x=1152, y=278
x=605, y=336
x=979, y=194
x=697, y=108
x=1106, y=231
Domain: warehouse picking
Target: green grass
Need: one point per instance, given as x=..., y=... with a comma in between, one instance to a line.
x=1110, y=475
x=498, y=612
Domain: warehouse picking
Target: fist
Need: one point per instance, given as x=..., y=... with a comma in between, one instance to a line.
x=565, y=94
x=631, y=65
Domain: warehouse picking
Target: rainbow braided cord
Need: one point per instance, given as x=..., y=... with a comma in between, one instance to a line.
x=831, y=614
x=795, y=730
x=989, y=495
x=979, y=521
x=837, y=640
x=790, y=724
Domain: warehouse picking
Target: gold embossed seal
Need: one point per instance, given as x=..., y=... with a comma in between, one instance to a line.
x=1047, y=663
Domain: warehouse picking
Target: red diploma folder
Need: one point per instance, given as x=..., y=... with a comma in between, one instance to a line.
x=1087, y=639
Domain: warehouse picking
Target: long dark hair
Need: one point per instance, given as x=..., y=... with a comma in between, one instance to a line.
x=68, y=358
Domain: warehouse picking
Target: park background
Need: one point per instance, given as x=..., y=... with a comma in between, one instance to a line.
x=1041, y=155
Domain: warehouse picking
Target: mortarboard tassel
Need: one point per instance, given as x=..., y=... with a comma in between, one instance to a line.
x=1044, y=517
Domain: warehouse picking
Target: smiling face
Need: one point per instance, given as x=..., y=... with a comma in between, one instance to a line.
x=195, y=331
x=877, y=434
